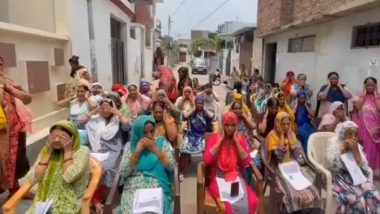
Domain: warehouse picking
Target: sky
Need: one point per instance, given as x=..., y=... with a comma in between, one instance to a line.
x=192, y=12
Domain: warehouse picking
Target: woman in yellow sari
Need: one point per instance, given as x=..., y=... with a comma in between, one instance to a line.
x=281, y=146
x=283, y=106
x=246, y=110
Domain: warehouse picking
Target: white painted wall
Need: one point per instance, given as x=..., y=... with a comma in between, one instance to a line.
x=332, y=52
x=134, y=56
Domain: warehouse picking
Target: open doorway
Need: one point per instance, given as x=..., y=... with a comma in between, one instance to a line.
x=270, y=64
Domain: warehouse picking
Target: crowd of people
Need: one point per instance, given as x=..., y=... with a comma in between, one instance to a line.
x=141, y=127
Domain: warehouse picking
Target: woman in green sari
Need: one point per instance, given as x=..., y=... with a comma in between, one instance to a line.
x=61, y=170
x=147, y=162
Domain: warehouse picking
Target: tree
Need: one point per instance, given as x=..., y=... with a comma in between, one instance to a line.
x=215, y=43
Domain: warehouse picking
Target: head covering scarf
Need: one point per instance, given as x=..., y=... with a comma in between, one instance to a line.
x=288, y=84
x=292, y=139
x=228, y=156
x=327, y=119
x=53, y=186
x=96, y=84
x=120, y=89
x=337, y=141
x=148, y=162
x=334, y=106
x=239, y=98
x=200, y=98
x=188, y=88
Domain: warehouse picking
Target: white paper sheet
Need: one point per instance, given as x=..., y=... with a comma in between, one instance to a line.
x=100, y=156
x=253, y=153
x=292, y=173
x=148, y=200
x=353, y=168
x=225, y=190
x=43, y=207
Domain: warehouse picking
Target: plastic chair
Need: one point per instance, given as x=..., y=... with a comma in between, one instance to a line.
x=317, y=146
x=114, y=195
x=96, y=174
x=206, y=203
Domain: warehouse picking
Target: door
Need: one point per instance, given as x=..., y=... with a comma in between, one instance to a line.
x=117, y=54
x=271, y=54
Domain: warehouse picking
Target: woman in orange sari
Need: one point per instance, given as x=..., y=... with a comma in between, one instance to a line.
x=166, y=125
x=13, y=161
x=227, y=154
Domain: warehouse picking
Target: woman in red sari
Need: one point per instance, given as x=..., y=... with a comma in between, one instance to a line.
x=227, y=154
x=13, y=161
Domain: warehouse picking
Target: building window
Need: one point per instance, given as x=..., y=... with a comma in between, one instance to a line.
x=301, y=44
x=132, y=33
x=366, y=36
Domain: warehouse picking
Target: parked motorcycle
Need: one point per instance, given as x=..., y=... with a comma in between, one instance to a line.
x=216, y=78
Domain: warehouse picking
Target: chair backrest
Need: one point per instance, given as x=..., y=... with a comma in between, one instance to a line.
x=96, y=175
x=317, y=146
x=207, y=169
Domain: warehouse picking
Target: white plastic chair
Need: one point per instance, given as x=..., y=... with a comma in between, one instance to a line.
x=317, y=148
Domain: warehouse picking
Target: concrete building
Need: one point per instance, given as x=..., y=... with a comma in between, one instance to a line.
x=316, y=37
x=113, y=40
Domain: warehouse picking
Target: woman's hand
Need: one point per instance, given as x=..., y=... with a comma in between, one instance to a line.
x=351, y=144
x=149, y=143
x=140, y=147
x=49, y=145
x=67, y=144
x=236, y=137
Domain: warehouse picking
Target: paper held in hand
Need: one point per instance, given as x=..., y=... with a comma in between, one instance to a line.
x=44, y=207
x=100, y=156
x=148, y=200
x=292, y=173
x=353, y=168
x=225, y=190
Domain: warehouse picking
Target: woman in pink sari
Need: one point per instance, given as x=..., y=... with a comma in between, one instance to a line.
x=137, y=103
x=168, y=83
x=368, y=119
x=227, y=155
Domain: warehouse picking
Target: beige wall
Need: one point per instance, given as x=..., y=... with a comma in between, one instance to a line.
x=32, y=45
x=37, y=14
x=257, y=50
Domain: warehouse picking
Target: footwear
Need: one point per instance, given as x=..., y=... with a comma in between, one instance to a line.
x=181, y=177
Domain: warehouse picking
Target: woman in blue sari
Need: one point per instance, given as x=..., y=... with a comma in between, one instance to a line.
x=147, y=162
x=304, y=113
x=199, y=121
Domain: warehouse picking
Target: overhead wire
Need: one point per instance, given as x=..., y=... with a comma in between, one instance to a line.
x=211, y=13
x=179, y=7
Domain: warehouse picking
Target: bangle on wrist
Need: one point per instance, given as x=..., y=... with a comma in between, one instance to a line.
x=68, y=159
x=43, y=164
x=133, y=159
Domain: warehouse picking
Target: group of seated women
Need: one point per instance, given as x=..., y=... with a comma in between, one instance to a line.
x=140, y=131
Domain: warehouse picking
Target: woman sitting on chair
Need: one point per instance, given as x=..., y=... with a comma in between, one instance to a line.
x=61, y=170
x=199, y=122
x=227, y=154
x=147, y=162
x=362, y=198
x=282, y=146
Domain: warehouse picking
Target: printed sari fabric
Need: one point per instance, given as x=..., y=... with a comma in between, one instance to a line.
x=279, y=149
x=368, y=119
x=12, y=139
x=351, y=199
x=65, y=187
x=149, y=171
x=194, y=141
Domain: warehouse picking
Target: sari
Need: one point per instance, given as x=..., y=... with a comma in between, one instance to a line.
x=149, y=171
x=351, y=198
x=106, y=137
x=278, y=149
x=65, y=188
x=137, y=106
x=246, y=110
x=13, y=139
x=228, y=165
x=168, y=83
x=368, y=119
x=286, y=109
x=184, y=104
x=304, y=123
x=334, y=94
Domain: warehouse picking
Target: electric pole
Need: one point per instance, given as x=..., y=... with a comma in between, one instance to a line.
x=170, y=40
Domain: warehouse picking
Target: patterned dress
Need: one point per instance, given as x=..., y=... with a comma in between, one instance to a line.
x=77, y=177
x=363, y=198
x=135, y=180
